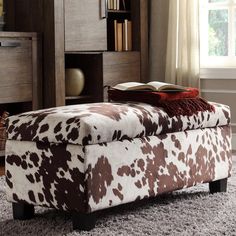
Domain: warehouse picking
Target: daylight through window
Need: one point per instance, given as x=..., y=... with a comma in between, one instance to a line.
x=218, y=33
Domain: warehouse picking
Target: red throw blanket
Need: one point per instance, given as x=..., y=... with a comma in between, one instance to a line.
x=177, y=103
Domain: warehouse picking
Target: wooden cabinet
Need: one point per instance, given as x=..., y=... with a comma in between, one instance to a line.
x=80, y=34
x=20, y=74
x=15, y=70
x=85, y=25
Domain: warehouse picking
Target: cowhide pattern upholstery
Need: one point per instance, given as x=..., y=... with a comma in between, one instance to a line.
x=92, y=177
x=107, y=122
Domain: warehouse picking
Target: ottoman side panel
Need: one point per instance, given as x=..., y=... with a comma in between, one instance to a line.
x=50, y=175
x=129, y=170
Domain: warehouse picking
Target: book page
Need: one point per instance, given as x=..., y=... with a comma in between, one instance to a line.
x=162, y=86
x=128, y=85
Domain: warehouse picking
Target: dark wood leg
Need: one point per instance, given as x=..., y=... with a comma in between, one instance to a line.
x=82, y=221
x=22, y=211
x=218, y=186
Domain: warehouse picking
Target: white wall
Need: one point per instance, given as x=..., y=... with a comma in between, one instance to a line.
x=219, y=85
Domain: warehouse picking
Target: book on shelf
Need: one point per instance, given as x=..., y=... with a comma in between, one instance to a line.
x=115, y=35
x=124, y=5
x=125, y=35
x=153, y=86
x=122, y=35
x=119, y=37
x=109, y=4
x=129, y=37
x=1, y=8
x=116, y=5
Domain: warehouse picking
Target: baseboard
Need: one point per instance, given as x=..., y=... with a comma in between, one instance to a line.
x=234, y=142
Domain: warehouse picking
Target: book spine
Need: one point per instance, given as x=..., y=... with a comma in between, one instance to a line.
x=125, y=36
x=118, y=4
x=115, y=35
x=124, y=5
x=109, y=4
x=115, y=6
x=112, y=4
x=119, y=37
x=129, y=26
x=1, y=8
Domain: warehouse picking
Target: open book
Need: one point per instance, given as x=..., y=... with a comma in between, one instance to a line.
x=153, y=85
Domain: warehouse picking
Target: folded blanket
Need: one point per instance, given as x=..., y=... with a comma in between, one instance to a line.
x=177, y=103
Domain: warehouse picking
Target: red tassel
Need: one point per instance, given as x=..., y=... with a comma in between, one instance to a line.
x=186, y=107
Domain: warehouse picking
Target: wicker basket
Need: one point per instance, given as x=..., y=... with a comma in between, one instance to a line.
x=2, y=138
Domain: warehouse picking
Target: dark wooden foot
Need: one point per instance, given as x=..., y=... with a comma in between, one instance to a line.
x=83, y=221
x=22, y=211
x=218, y=186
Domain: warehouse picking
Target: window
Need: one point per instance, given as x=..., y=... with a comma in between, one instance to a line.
x=218, y=33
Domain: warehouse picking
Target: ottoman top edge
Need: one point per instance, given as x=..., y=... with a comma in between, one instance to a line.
x=106, y=122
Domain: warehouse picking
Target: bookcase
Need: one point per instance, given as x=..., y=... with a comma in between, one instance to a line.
x=81, y=34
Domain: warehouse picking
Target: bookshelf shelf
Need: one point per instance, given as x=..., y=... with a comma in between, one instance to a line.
x=119, y=11
x=82, y=97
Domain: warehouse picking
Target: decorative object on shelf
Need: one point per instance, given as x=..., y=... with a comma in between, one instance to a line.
x=3, y=130
x=74, y=79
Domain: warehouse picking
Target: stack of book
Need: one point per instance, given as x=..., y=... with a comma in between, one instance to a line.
x=123, y=35
x=116, y=5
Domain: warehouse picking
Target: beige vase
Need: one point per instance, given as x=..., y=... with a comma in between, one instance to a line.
x=74, y=79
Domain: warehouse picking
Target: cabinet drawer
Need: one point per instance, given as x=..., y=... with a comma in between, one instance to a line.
x=120, y=67
x=15, y=70
x=85, y=28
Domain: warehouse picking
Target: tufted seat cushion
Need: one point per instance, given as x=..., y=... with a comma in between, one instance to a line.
x=106, y=122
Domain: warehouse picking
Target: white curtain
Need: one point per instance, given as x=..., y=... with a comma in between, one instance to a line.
x=182, y=56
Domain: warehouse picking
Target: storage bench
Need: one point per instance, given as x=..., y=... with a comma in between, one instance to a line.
x=85, y=158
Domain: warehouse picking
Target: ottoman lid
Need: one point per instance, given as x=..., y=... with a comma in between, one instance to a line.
x=106, y=122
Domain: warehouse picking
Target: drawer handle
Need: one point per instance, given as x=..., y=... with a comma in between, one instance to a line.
x=9, y=44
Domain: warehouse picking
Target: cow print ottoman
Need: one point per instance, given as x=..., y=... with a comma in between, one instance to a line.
x=85, y=158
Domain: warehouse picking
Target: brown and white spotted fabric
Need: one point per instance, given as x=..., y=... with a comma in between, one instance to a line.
x=106, y=122
x=178, y=152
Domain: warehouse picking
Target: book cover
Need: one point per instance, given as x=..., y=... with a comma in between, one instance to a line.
x=115, y=35
x=124, y=5
x=112, y=4
x=129, y=37
x=109, y=4
x=119, y=37
x=125, y=36
x=118, y=4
